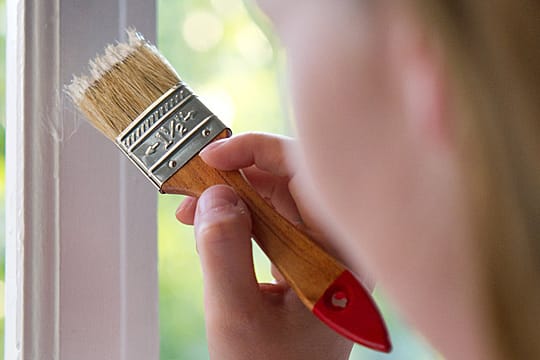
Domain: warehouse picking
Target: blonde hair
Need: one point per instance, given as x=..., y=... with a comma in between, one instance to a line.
x=493, y=53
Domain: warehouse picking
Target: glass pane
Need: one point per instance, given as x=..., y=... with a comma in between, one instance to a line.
x=224, y=52
x=223, y=55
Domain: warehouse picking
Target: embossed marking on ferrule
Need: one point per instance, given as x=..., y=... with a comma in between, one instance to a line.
x=168, y=134
x=154, y=115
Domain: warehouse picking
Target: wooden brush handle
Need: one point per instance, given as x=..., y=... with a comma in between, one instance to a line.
x=307, y=268
x=325, y=287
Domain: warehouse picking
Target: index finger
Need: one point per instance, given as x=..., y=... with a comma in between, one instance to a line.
x=267, y=152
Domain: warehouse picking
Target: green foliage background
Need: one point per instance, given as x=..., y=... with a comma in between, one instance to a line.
x=248, y=86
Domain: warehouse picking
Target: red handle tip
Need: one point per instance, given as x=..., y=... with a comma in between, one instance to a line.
x=349, y=309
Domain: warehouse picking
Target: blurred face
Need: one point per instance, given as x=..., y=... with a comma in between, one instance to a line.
x=348, y=120
x=371, y=153
x=377, y=158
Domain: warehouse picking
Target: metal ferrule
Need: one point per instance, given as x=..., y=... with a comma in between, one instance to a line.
x=169, y=133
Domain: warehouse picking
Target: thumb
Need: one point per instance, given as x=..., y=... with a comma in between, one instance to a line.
x=223, y=235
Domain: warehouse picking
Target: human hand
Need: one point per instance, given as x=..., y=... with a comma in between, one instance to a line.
x=244, y=319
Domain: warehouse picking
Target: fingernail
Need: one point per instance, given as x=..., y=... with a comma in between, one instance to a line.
x=188, y=201
x=213, y=146
x=217, y=197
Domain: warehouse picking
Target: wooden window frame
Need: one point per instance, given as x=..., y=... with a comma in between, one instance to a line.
x=81, y=249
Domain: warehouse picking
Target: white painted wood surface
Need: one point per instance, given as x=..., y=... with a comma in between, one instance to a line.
x=81, y=273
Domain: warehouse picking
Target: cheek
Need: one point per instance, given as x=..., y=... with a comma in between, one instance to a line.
x=352, y=139
x=340, y=100
x=334, y=78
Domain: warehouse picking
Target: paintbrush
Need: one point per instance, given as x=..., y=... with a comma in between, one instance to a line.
x=136, y=99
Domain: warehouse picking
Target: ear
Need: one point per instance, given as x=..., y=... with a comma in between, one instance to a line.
x=420, y=79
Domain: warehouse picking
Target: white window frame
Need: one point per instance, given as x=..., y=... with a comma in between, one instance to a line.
x=81, y=267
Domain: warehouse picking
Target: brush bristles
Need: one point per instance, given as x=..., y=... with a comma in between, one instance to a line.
x=122, y=84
